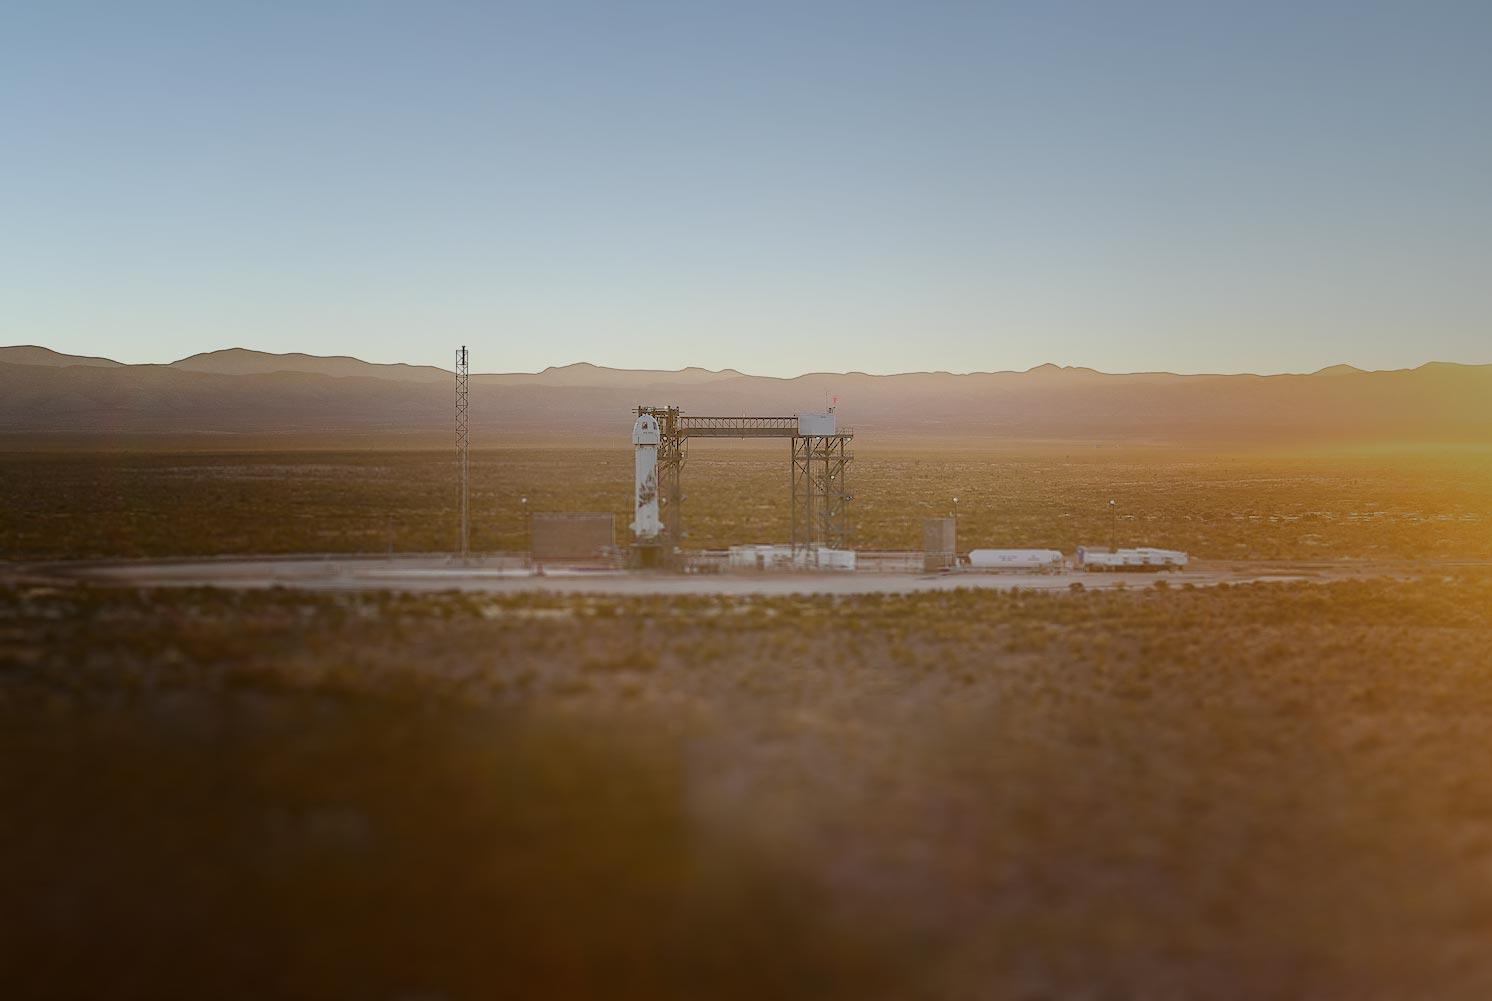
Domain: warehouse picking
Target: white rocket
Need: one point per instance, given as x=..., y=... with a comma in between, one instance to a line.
x=645, y=437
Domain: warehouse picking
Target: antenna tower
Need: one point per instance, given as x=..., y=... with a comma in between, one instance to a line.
x=463, y=444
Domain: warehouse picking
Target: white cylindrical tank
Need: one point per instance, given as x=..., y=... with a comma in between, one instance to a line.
x=1131, y=559
x=645, y=438
x=1015, y=559
x=1170, y=559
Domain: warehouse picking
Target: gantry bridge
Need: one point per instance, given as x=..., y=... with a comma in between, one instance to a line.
x=734, y=427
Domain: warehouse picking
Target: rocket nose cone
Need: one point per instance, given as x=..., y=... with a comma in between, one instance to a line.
x=645, y=431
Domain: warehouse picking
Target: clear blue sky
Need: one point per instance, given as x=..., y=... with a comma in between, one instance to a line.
x=1194, y=186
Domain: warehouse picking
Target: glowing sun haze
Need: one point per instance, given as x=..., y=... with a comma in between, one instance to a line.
x=777, y=188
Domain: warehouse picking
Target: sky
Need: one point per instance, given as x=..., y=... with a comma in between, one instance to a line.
x=778, y=188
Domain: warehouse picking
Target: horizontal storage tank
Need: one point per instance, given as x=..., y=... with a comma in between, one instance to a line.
x=1170, y=558
x=1015, y=559
x=1102, y=559
x=1144, y=558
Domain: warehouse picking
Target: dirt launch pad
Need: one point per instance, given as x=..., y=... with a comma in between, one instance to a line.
x=435, y=573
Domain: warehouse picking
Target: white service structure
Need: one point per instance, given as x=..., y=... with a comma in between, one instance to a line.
x=783, y=557
x=1015, y=559
x=817, y=423
x=645, y=438
x=1143, y=558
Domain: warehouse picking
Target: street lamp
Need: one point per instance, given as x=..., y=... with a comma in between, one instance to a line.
x=1113, y=526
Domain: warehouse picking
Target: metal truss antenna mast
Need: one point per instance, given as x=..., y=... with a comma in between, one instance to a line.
x=463, y=444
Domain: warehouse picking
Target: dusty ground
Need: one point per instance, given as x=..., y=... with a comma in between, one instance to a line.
x=495, y=576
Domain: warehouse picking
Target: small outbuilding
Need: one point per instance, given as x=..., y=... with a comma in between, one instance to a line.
x=577, y=536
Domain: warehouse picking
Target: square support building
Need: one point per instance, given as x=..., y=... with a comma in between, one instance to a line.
x=565, y=536
x=939, y=545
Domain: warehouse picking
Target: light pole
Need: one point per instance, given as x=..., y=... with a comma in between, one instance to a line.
x=528, y=541
x=1113, y=526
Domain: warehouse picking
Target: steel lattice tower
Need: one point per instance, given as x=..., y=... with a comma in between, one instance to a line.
x=463, y=444
x=673, y=450
x=820, y=496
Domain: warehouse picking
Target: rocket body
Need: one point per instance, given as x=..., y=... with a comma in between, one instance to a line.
x=645, y=438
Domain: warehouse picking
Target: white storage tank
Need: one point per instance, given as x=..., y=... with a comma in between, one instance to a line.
x=1015, y=559
x=1144, y=558
x=1167, y=559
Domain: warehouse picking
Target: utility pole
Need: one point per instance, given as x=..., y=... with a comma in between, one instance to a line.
x=463, y=445
x=1113, y=526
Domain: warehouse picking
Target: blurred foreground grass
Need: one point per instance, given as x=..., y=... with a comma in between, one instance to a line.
x=1265, y=791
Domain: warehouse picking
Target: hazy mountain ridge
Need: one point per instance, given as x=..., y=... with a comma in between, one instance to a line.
x=346, y=395
x=33, y=354
x=242, y=361
x=245, y=361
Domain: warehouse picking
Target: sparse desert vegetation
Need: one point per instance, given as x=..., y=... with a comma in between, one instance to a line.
x=1408, y=503
x=1160, y=791
x=1265, y=791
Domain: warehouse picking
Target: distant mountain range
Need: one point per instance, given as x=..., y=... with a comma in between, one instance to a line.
x=242, y=392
